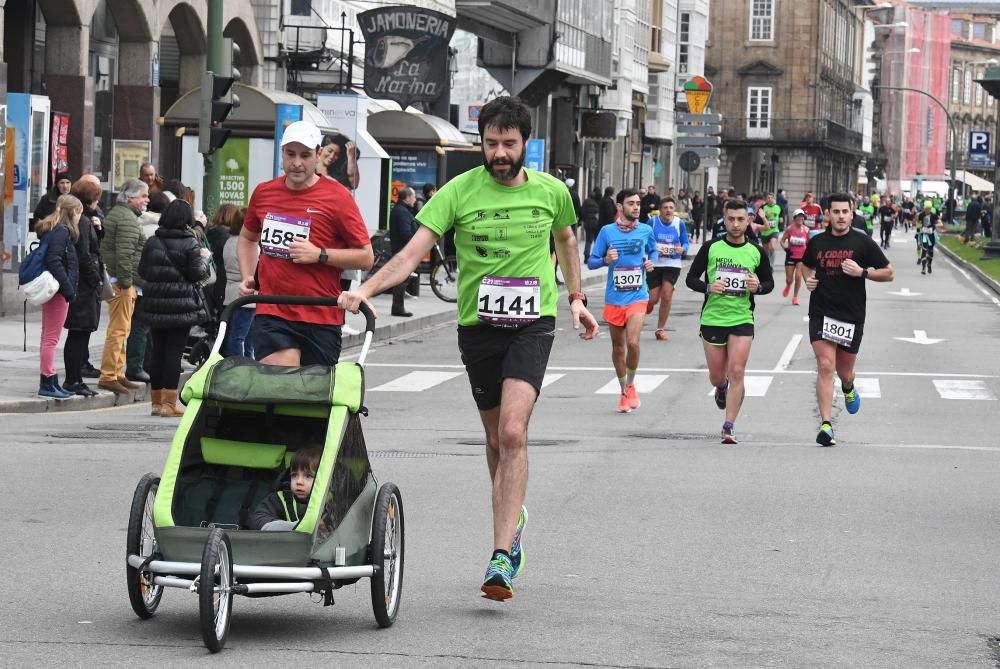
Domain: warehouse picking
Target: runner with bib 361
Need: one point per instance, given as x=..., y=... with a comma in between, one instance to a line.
x=734, y=270
x=836, y=264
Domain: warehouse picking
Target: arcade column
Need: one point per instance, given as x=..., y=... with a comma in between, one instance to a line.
x=137, y=95
x=71, y=89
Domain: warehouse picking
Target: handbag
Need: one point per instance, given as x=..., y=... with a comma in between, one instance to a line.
x=41, y=289
x=107, y=289
x=33, y=264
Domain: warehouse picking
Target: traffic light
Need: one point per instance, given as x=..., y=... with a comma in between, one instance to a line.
x=218, y=100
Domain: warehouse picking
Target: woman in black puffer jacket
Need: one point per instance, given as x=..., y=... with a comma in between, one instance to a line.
x=172, y=264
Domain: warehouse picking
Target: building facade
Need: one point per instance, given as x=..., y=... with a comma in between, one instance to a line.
x=975, y=44
x=788, y=84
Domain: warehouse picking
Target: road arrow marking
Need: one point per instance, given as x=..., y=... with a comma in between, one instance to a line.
x=920, y=337
x=905, y=292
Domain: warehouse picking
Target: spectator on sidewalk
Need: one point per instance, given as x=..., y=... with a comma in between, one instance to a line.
x=238, y=340
x=973, y=214
x=121, y=249
x=173, y=265
x=60, y=229
x=149, y=175
x=96, y=216
x=84, y=313
x=217, y=234
x=402, y=227
x=47, y=204
x=591, y=214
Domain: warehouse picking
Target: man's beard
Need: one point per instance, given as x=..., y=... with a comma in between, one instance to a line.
x=504, y=173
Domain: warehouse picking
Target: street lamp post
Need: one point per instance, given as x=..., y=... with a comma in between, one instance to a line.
x=954, y=138
x=991, y=83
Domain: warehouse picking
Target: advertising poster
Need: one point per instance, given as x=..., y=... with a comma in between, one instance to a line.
x=8, y=195
x=127, y=155
x=234, y=171
x=15, y=231
x=412, y=168
x=285, y=115
x=59, y=144
x=534, y=155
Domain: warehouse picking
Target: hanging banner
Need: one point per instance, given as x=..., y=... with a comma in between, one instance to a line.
x=234, y=171
x=59, y=144
x=406, y=53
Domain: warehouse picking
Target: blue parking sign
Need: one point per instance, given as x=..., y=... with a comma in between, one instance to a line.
x=979, y=143
x=534, y=155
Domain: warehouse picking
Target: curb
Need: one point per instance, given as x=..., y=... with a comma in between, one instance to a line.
x=105, y=399
x=984, y=278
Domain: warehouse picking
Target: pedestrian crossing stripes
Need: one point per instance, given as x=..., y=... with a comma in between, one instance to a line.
x=644, y=383
x=963, y=390
x=755, y=386
x=414, y=382
x=592, y=381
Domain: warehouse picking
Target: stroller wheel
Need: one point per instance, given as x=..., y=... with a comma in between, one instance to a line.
x=215, y=590
x=140, y=540
x=387, y=548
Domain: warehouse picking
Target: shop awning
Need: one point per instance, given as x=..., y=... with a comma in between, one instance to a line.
x=399, y=128
x=976, y=183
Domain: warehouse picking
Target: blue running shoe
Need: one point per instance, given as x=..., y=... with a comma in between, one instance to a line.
x=852, y=400
x=516, y=551
x=497, y=584
x=825, y=435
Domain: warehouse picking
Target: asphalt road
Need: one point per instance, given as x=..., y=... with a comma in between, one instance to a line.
x=649, y=543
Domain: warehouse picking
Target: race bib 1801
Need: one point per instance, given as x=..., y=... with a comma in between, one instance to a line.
x=735, y=279
x=838, y=332
x=509, y=301
x=278, y=233
x=627, y=277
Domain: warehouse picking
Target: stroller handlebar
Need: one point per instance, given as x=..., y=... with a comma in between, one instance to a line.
x=227, y=312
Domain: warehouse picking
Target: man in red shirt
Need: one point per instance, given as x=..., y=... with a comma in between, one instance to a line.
x=299, y=232
x=814, y=215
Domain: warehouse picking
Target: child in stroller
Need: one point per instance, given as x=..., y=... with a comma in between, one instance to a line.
x=283, y=509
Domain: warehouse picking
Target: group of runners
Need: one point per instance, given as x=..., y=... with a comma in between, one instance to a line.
x=302, y=229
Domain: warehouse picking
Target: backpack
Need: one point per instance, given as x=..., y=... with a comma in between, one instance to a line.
x=33, y=264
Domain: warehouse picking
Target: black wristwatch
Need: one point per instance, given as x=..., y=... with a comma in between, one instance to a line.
x=322, y=256
x=864, y=274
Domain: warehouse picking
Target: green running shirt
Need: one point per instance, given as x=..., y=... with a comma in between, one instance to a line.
x=501, y=232
x=773, y=214
x=731, y=262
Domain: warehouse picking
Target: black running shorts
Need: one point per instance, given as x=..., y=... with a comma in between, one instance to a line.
x=492, y=354
x=718, y=335
x=318, y=344
x=656, y=278
x=816, y=334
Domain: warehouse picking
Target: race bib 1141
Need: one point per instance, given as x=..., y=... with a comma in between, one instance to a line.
x=279, y=231
x=509, y=301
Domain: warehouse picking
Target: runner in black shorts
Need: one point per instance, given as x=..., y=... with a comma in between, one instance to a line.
x=836, y=264
x=506, y=303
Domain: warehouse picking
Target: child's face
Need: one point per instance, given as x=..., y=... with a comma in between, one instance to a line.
x=302, y=483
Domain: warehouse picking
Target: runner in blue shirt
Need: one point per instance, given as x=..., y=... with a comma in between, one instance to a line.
x=672, y=243
x=628, y=250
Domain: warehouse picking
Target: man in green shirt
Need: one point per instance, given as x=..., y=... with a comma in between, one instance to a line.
x=770, y=218
x=502, y=215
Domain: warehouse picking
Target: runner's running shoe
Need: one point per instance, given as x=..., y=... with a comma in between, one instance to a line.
x=784, y=293
x=795, y=300
x=623, y=404
x=728, y=434
x=852, y=400
x=661, y=335
x=516, y=552
x=720, y=395
x=497, y=585
x=633, y=396
x=825, y=435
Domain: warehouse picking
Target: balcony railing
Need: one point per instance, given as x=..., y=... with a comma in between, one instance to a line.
x=801, y=130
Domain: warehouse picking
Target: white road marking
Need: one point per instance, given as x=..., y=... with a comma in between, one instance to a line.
x=869, y=388
x=756, y=386
x=920, y=337
x=644, y=383
x=975, y=282
x=549, y=379
x=905, y=292
x=951, y=389
x=786, y=356
x=415, y=382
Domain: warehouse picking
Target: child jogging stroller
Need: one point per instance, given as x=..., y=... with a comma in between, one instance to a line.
x=243, y=423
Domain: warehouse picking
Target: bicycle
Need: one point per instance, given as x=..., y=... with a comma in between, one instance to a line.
x=441, y=268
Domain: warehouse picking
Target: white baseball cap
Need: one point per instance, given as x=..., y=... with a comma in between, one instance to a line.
x=570, y=182
x=303, y=132
x=798, y=212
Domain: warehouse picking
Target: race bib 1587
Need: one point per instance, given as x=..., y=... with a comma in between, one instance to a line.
x=279, y=231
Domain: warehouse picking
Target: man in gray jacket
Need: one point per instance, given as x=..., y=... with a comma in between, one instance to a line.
x=121, y=249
